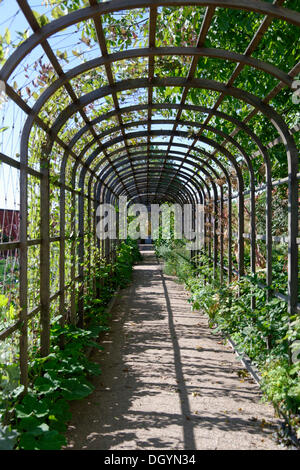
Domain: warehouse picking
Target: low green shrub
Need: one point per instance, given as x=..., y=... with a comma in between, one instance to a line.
x=37, y=420
x=259, y=325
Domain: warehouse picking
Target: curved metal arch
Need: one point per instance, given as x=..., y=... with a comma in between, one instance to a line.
x=137, y=156
x=240, y=242
x=77, y=16
x=173, y=157
x=288, y=141
x=42, y=95
x=154, y=168
x=199, y=188
x=224, y=54
x=238, y=123
x=112, y=181
x=243, y=127
x=215, y=227
x=178, y=185
x=186, y=191
x=215, y=224
x=241, y=221
x=101, y=191
x=240, y=201
x=253, y=238
x=263, y=152
x=206, y=84
x=180, y=197
x=238, y=146
x=126, y=173
x=273, y=11
x=170, y=106
x=177, y=189
x=292, y=154
x=107, y=170
x=187, y=123
x=261, y=149
x=185, y=194
x=168, y=199
x=103, y=178
x=250, y=103
x=183, y=134
x=190, y=175
x=240, y=185
x=104, y=159
x=178, y=192
x=290, y=160
x=176, y=198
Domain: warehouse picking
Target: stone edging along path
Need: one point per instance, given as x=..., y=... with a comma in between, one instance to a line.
x=167, y=382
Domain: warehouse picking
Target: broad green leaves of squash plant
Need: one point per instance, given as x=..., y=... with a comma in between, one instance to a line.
x=37, y=421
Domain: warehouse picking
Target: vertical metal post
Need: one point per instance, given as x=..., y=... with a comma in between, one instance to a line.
x=269, y=241
x=45, y=250
x=23, y=264
x=241, y=248
x=252, y=233
x=293, y=221
x=221, y=233
x=62, y=247
x=215, y=235
x=229, y=224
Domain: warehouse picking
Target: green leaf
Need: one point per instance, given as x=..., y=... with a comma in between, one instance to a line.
x=51, y=440
x=72, y=389
x=56, y=424
x=7, y=36
x=28, y=424
x=57, y=12
x=45, y=385
x=32, y=406
x=42, y=438
x=28, y=441
x=60, y=409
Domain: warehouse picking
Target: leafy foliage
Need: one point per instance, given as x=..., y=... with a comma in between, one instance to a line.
x=258, y=324
x=37, y=420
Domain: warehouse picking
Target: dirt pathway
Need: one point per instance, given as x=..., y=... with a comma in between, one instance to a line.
x=167, y=382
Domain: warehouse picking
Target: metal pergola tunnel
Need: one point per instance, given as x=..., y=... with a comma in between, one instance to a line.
x=195, y=117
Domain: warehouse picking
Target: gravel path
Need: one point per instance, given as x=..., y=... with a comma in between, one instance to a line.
x=167, y=382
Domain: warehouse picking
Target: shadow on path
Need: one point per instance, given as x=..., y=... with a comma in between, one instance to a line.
x=167, y=382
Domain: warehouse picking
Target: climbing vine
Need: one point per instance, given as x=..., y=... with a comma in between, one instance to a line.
x=37, y=420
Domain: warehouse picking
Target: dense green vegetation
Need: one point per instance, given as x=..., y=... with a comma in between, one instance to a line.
x=264, y=332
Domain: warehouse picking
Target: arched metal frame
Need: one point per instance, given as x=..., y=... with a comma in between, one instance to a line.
x=138, y=170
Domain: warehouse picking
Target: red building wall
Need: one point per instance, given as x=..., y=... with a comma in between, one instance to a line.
x=9, y=225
